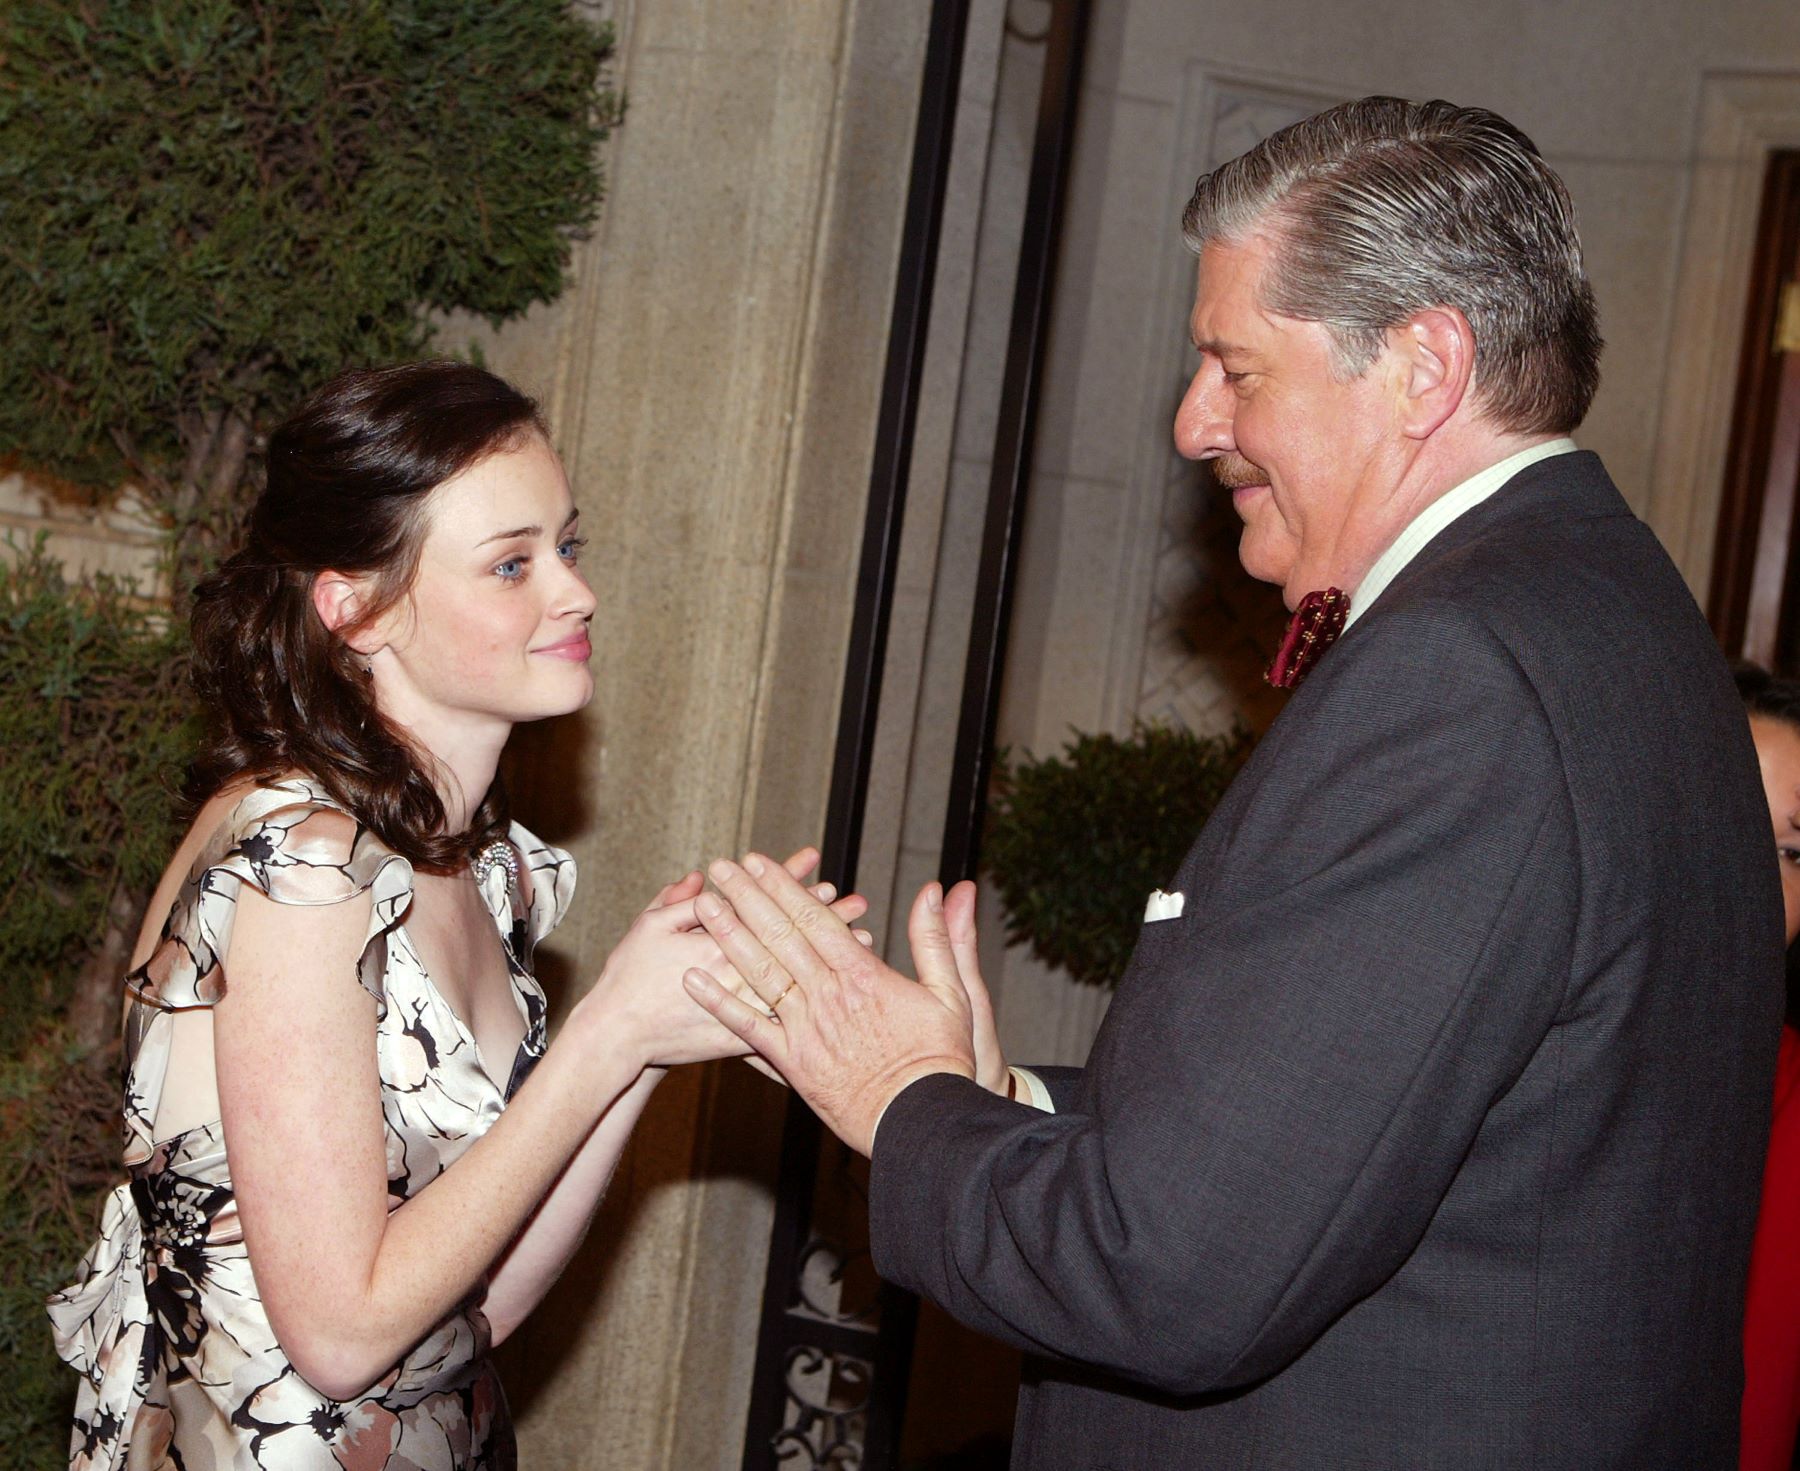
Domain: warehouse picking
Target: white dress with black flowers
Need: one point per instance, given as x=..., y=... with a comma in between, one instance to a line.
x=179, y=1366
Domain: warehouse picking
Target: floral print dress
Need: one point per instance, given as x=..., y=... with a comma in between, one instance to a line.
x=180, y=1369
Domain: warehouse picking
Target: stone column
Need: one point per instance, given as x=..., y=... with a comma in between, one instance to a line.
x=713, y=380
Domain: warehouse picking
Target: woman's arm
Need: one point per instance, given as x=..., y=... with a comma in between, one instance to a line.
x=536, y=1259
x=349, y=1286
x=556, y=1228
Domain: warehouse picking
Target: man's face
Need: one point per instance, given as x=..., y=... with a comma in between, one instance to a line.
x=1306, y=458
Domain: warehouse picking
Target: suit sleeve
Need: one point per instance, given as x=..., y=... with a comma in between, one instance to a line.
x=1379, y=935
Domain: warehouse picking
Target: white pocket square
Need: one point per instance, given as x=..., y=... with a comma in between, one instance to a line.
x=1163, y=906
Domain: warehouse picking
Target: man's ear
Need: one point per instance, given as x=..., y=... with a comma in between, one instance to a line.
x=339, y=600
x=1436, y=351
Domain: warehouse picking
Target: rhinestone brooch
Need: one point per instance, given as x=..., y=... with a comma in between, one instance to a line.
x=495, y=854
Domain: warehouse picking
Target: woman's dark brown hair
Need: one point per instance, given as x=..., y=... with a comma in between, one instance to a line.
x=1768, y=695
x=1774, y=697
x=349, y=474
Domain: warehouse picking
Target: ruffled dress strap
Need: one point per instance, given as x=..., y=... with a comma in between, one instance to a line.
x=290, y=842
x=528, y=897
x=552, y=880
x=293, y=844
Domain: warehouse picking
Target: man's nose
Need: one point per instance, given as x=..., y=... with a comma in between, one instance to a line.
x=1203, y=422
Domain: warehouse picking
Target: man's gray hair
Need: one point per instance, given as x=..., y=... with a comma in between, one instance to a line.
x=1381, y=208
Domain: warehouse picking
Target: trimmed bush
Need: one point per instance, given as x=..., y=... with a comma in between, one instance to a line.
x=1076, y=842
x=59, y=1150
x=208, y=208
x=95, y=730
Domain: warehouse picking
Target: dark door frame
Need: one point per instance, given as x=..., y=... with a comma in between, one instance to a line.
x=856, y=1360
x=1753, y=606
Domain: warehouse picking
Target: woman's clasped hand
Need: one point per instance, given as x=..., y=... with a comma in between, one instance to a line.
x=640, y=985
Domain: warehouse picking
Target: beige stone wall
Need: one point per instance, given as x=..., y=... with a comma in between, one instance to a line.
x=712, y=382
x=119, y=540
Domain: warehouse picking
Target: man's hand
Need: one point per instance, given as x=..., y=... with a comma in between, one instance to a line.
x=959, y=920
x=845, y=1029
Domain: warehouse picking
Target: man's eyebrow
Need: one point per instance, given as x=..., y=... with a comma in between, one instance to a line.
x=533, y=530
x=1219, y=349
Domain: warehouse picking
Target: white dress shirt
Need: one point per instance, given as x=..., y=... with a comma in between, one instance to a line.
x=1454, y=502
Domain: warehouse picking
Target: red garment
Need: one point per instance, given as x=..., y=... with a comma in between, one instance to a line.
x=1772, y=1306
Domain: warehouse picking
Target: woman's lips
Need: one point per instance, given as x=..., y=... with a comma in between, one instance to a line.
x=577, y=648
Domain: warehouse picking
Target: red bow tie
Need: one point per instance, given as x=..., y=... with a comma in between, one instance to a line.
x=1310, y=632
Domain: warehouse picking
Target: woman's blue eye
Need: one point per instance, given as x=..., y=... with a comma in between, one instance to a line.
x=511, y=570
x=570, y=546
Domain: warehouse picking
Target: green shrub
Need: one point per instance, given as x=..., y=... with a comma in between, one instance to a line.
x=208, y=208
x=59, y=1150
x=95, y=729
x=1076, y=842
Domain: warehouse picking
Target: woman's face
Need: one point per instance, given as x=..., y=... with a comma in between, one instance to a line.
x=1778, y=753
x=495, y=627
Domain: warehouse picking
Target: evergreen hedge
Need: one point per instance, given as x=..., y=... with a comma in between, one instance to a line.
x=208, y=207
x=59, y=1128
x=95, y=727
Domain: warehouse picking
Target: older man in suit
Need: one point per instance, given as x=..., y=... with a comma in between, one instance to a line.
x=1426, y=1125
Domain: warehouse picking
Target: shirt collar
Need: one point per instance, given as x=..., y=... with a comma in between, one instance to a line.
x=1439, y=514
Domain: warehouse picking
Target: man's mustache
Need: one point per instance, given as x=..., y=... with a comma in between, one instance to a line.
x=1234, y=472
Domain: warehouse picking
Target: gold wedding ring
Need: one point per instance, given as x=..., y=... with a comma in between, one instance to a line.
x=783, y=996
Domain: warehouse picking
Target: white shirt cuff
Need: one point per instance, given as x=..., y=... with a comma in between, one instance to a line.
x=1030, y=1089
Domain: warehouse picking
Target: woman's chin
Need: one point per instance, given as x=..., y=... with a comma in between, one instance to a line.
x=581, y=700
x=576, y=697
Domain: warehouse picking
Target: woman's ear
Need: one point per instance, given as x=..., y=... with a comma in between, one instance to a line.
x=339, y=600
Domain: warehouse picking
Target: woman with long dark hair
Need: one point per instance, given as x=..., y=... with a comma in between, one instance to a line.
x=356, y=1163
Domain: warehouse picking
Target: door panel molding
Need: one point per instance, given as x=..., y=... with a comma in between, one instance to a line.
x=1159, y=666
x=1742, y=118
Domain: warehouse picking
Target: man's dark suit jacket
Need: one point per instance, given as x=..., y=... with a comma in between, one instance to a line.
x=1430, y=1134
